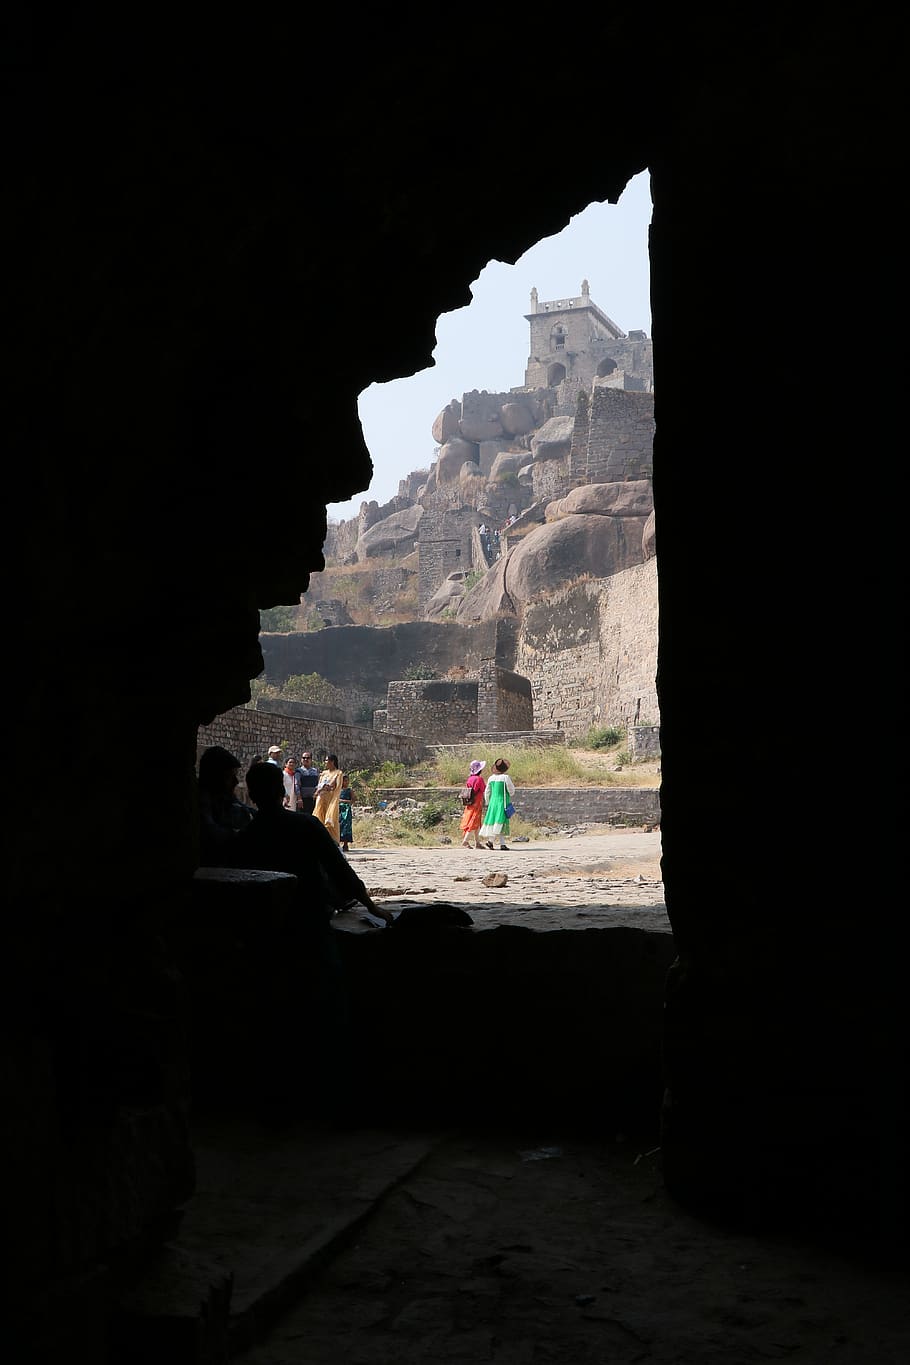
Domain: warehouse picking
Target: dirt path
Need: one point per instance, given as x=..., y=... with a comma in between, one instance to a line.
x=609, y=877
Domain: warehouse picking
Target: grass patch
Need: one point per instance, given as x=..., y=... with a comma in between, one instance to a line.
x=411, y=828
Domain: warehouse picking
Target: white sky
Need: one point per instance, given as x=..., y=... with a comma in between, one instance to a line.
x=485, y=345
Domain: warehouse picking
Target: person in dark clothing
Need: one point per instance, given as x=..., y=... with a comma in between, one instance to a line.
x=309, y=776
x=221, y=814
x=280, y=840
x=308, y=1068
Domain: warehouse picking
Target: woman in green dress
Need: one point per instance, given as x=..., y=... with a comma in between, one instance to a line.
x=498, y=795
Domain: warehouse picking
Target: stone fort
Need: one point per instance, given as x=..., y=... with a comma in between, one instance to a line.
x=583, y=416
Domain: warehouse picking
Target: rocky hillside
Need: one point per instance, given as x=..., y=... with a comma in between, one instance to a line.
x=544, y=499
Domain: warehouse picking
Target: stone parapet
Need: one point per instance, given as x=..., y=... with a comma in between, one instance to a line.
x=558, y=805
x=248, y=733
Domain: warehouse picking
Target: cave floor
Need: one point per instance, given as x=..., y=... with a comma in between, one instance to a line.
x=388, y=1246
x=384, y=1247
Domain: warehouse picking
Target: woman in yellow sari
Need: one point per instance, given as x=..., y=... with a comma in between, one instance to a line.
x=328, y=796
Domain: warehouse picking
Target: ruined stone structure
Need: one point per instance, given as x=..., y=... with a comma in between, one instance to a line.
x=591, y=653
x=504, y=700
x=444, y=712
x=444, y=543
x=583, y=415
x=587, y=656
x=183, y=267
x=247, y=733
x=612, y=437
x=574, y=344
x=365, y=659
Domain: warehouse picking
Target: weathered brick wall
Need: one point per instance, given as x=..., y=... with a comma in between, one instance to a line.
x=504, y=700
x=614, y=436
x=550, y=479
x=247, y=733
x=559, y=805
x=435, y=710
x=444, y=546
x=590, y=653
x=644, y=741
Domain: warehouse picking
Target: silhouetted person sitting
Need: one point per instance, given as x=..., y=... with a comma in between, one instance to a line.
x=306, y=1064
x=280, y=840
x=221, y=814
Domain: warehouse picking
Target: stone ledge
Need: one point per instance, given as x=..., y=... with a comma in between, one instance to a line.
x=559, y=805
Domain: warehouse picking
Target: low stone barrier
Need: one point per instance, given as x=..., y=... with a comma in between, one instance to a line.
x=559, y=805
x=510, y=1024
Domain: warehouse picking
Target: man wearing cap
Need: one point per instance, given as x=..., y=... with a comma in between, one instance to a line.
x=274, y=755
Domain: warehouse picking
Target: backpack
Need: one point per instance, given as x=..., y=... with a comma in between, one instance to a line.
x=466, y=795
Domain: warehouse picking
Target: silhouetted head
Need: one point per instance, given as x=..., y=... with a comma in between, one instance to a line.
x=265, y=785
x=219, y=770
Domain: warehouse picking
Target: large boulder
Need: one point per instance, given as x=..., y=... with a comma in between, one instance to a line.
x=517, y=419
x=554, y=439
x=552, y=556
x=447, y=596
x=452, y=456
x=632, y=499
x=446, y=424
x=395, y=534
x=488, y=598
x=507, y=465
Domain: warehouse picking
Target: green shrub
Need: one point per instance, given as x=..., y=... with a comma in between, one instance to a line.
x=278, y=620
x=366, y=782
x=430, y=815
x=603, y=737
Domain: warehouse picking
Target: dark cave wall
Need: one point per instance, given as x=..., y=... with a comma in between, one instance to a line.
x=172, y=233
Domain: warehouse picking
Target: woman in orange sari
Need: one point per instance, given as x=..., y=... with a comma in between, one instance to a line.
x=472, y=817
x=328, y=797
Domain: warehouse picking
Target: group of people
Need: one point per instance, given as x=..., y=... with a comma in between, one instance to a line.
x=277, y=832
x=327, y=795
x=487, y=817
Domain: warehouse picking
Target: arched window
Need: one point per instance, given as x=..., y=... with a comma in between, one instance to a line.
x=555, y=375
x=606, y=367
x=558, y=337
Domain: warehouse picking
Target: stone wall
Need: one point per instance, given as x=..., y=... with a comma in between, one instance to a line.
x=613, y=437
x=444, y=546
x=644, y=741
x=302, y=710
x=504, y=700
x=558, y=805
x=436, y=710
x=247, y=733
x=550, y=479
x=590, y=652
x=368, y=658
